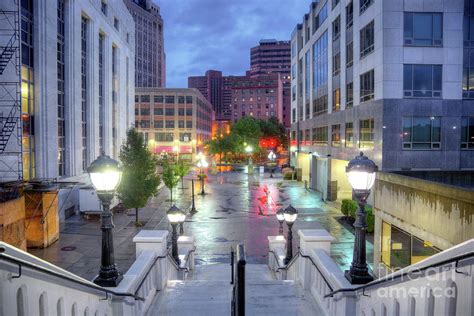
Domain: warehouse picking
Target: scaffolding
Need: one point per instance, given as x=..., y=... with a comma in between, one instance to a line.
x=11, y=162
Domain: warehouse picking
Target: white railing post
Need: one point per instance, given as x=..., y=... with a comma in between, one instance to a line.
x=277, y=245
x=185, y=245
x=311, y=239
x=155, y=241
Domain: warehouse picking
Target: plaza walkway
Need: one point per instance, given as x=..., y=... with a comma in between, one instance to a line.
x=232, y=211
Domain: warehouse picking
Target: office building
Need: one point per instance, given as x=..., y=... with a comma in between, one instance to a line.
x=150, y=58
x=173, y=121
x=389, y=78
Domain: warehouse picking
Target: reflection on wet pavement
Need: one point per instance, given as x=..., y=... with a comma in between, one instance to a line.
x=237, y=208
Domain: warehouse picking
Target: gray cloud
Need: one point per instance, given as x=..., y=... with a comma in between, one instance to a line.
x=218, y=34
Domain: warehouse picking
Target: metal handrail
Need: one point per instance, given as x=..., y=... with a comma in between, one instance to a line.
x=21, y=263
x=149, y=270
x=185, y=258
x=299, y=253
x=415, y=273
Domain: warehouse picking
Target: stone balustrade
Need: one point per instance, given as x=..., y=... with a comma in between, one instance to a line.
x=48, y=289
x=446, y=289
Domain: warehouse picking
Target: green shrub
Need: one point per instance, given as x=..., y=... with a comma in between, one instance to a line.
x=345, y=206
x=370, y=219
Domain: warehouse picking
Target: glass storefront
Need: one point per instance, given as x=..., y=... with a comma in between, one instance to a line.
x=400, y=249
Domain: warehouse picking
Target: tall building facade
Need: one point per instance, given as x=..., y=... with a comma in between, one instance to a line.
x=150, y=58
x=77, y=86
x=173, y=121
x=211, y=86
x=272, y=56
x=389, y=78
x=259, y=97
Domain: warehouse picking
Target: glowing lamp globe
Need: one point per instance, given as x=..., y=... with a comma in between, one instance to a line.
x=280, y=215
x=175, y=215
x=290, y=214
x=105, y=174
x=248, y=149
x=361, y=173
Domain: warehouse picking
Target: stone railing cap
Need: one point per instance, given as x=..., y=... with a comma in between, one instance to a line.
x=276, y=239
x=315, y=235
x=151, y=236
x=186, y=239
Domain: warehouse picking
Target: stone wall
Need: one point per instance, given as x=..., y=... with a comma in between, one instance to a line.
x=12, y=222
x=435, y=212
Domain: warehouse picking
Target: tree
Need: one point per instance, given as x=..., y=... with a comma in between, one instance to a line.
x=139, y=178
x=170, y=177
x=248, y=130
x=273, y=128
x=182, y=170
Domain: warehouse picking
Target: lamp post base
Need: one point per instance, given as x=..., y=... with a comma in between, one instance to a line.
x=108, y=282
x=358, y=279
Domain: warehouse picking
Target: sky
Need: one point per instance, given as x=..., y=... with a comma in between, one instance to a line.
x=218, y=34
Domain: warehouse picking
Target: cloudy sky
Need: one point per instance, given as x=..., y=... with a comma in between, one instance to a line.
x=218, y=34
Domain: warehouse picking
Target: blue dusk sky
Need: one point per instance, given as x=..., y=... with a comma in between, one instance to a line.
x=218, y=34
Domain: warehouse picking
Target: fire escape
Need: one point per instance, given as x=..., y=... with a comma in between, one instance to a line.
x=11, y=165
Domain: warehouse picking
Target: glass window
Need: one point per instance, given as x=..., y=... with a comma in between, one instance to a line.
x=169, y=99
x=158, y=124
x=349, y=141
x=144, y=111
x=144, y=98
x=336, y=100
x=185, y=137
x=423, y=29
x=364, y=4
x=467, y=133
x=189, y=112
x=367, y=40
x=334, y=3
x=366, y=133
x=320, y=105
x=422, y=81
x=336, y=64
x=320, y=17
x=158, y=111
x=336, y=28
x=180, y=124
x=349, y=54
x=349, y=15
x=189, y=99
x=421, y=132
x=169, y=111
x=320, y=136
x=145, y=124
x=320, y=63
x=181, y=99
x=158, y=99
x=307, y=65
x=307, y=137
x=189, y=124
x=367, y=86
x=336, y=135
x=349, y=95
x=169, y=124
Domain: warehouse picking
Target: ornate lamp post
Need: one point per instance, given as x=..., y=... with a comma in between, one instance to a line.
x=281, y=218
x=272, y=157
x=290, y=214
x=360, y=173
x=105, y=175
x=202, y=163
x=175, y=217
x=193, y=207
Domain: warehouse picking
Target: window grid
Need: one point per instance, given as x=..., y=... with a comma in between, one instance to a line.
x=467, y=133
x=367, y=42
x=349, y=140
x=320, y=136
x=367, y=86
x=336, y=135
x=421, y=133
x=366, y=133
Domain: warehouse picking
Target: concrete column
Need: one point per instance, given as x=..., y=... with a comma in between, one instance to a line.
x=154, y=240
x=277, y=244
x=185, y=244
x=311, y=239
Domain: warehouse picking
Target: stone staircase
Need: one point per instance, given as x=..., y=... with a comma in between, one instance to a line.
x=208, y=291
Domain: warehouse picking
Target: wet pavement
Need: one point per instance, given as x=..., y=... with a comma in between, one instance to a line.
x=235, y=209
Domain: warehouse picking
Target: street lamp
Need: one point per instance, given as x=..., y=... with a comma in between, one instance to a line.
x=175, y=217
x=272, y=157
x=290, y=214
x=281, y=218
x=193, y=208
x=105, y=174
x=360, y=173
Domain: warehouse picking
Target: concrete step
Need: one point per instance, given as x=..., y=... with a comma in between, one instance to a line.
x=192, y=297
x=279, y=298
x=222, y=271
